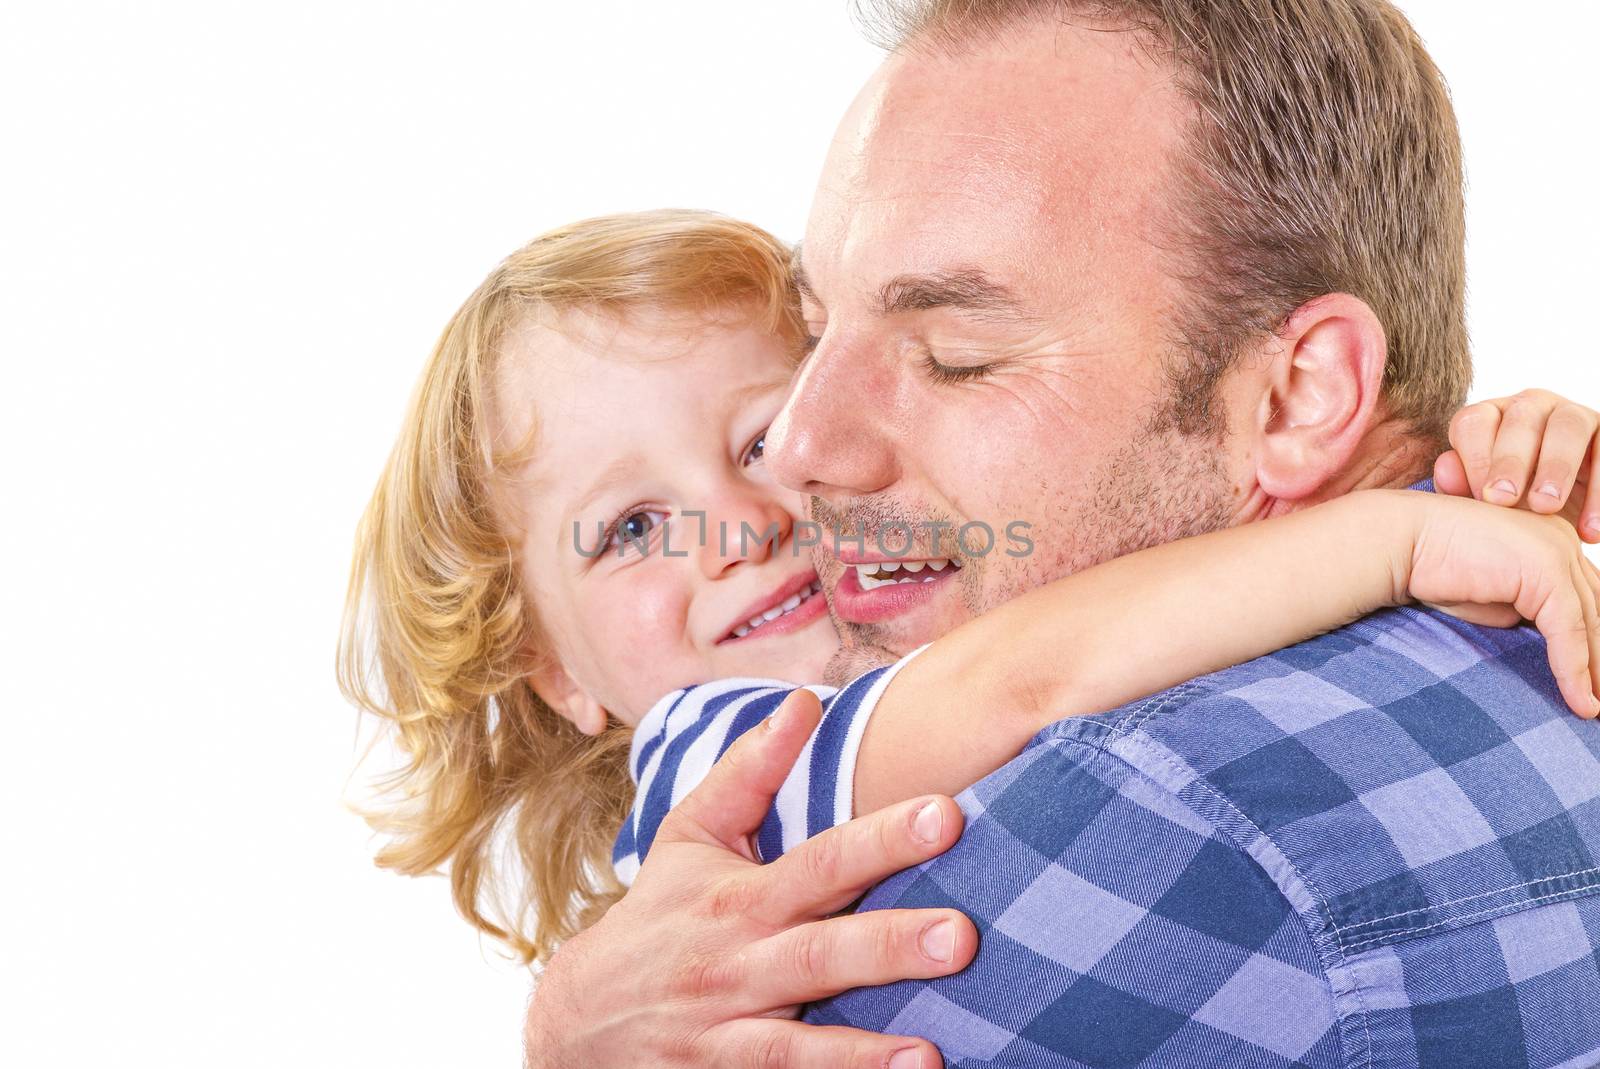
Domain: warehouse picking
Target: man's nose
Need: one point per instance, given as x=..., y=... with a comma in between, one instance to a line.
x=746, y=525
x=831, y=440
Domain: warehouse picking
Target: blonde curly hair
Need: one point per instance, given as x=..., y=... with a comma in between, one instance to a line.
x=439, y=635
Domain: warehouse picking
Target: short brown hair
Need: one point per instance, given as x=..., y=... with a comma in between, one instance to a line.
x=1324, y=158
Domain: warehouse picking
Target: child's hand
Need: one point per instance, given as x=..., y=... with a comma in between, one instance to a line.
x=1536, y=448
x=1491, y=566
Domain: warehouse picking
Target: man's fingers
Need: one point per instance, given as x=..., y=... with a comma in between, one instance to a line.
x=823, y=958
x=829, y=871
x=1567, y=437
x=775, y=1044
x=1516, y=445
x=730, y=803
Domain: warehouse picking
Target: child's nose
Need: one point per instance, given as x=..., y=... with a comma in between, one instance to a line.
x=749, y=528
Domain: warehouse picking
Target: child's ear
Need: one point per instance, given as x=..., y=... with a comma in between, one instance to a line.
x=562, y=693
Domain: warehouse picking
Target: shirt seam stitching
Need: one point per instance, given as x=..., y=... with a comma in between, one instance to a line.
x=1489, y=913
x=1525, y=885
x=1125, y=734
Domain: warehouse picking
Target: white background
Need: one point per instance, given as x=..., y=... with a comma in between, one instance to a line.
x=229, y=234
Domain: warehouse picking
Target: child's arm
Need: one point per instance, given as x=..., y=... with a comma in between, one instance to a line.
x=921, y=736
x=965, y=704
x=1139, y=624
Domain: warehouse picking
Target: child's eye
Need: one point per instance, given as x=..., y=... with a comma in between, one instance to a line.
x=757, y=449
x=633, y=529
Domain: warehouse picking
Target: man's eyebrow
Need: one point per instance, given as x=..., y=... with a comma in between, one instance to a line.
x=967, y=290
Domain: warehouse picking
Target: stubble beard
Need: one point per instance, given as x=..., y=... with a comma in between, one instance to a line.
x=1170, y=487
x=1165, y=486
x=863, y=647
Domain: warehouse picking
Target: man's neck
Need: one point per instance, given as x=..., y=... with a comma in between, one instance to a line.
x=1391, y=457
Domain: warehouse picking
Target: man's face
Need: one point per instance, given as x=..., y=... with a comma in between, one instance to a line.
x=992, y=316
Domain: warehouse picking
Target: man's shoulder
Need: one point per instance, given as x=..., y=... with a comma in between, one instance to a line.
x=1408, y=774
x=1376, y=848
x=1117, y=927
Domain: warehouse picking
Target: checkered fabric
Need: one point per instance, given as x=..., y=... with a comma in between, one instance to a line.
x=1373, y=849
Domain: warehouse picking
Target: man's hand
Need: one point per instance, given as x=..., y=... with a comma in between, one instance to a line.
x=708, y=959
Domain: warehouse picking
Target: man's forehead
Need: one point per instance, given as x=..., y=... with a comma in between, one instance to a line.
x=905, y=136
x=1049, y=139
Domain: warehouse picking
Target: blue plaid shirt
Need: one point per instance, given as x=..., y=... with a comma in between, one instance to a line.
x=1377, y=849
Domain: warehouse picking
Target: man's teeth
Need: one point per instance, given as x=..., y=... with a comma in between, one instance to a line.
x=890, y=572
x=788, y=605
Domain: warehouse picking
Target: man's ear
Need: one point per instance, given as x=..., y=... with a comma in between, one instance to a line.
x=1324, y=376
x=557, y=689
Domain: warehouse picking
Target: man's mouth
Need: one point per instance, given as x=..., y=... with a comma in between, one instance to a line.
x=891, y=573
x=878, y=591
x=789, y=609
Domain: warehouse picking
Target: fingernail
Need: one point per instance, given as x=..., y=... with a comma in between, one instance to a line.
x=1550, y=490
x=1504, y=486
x=926, y=824
x=910, y=1058
x=1593, y=524
x=777, y=715
x=939, y=942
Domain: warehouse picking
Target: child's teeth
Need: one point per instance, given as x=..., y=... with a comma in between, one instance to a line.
x=788, y=604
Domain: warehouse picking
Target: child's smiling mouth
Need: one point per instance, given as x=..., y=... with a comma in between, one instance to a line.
x=791, y=607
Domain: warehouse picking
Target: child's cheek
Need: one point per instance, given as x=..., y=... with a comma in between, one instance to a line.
x=652, y=649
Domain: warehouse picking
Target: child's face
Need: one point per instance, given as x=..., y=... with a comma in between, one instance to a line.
x=639, y=422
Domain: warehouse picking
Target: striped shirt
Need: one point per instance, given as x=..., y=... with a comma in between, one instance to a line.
x=682, y=736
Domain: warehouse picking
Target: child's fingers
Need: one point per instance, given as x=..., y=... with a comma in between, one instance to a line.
x=1472, y=434
x=1572, y=511
x=1589, y=592
x=1568, y=434
x=730, y=803
x=1516, y=445
x=1589, y=528
x=1450, y=475
x=1566, y=618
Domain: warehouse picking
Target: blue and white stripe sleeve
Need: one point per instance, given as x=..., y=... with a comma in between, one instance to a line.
x=682, y=736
